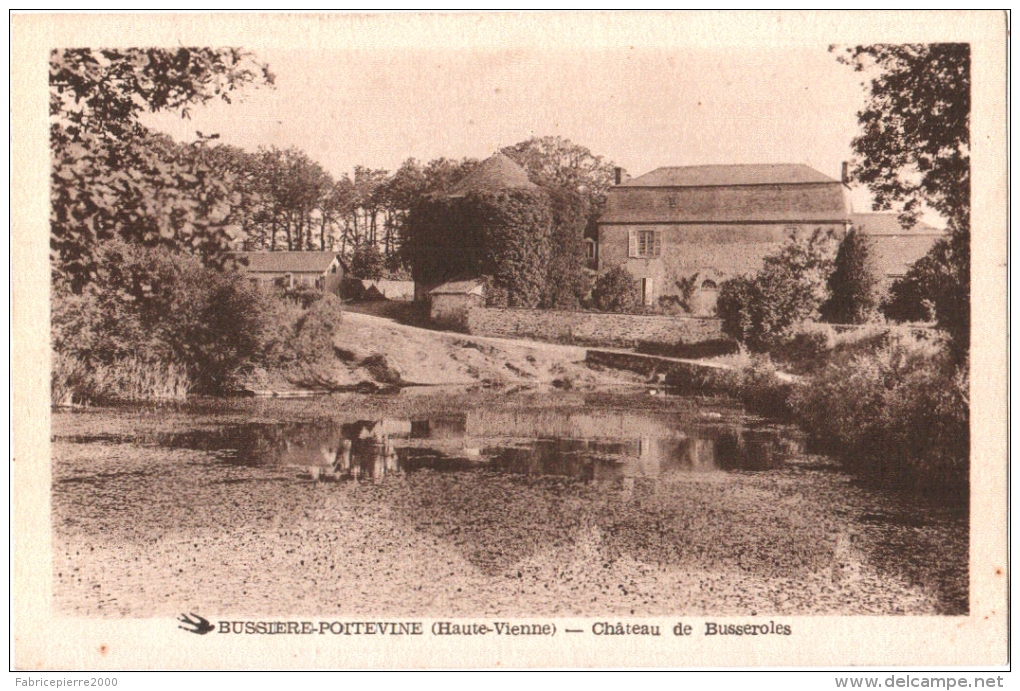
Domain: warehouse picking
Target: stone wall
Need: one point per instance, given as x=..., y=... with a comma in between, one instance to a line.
x=683, y=376
x=453, y=311
x=591, y=328
x=366, y=289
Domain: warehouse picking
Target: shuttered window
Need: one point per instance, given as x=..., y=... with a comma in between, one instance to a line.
x=644, y=243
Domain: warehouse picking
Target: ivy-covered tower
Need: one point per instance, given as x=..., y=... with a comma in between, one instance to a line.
x=494, y=224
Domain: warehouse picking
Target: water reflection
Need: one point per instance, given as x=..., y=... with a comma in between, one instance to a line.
x=599, y=446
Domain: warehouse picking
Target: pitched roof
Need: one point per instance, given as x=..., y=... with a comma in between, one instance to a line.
x=889, y=224
x=493, y=174
x=287, y=262
x=896, y=248
x=895, y=254
x=729, y=176
x=773, y=204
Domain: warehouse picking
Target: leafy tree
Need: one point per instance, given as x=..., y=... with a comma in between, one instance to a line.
x=367, y=262
x=854, y=282
x=164, y=306
x=110, y=177
x=932, y=288
x=243, y=172
x=147, y=190
x=914, y=149
x=103, y=91
x=914, y=145
x=558, y=162
x=735, y=305
x=567, y=281
x=615, y=290
x=293, y=188
x=398, y=194
x=762, y=311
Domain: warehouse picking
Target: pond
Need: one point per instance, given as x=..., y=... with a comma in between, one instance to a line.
x=597, y=446
x=478, y=504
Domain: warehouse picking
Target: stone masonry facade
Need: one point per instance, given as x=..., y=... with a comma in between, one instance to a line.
x=591, y=328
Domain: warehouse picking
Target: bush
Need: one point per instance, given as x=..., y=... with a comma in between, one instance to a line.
x=315, y=330
x=854, y=283
x=761, y=311
x=737, y=298
x=892, y=406
x=899, y=415
x=807, y=346
x=367, y=262
x=151, y=313
x=303, y=348
x=760, y=388
x=303, y=295
x=937, y=287
x=615, y=291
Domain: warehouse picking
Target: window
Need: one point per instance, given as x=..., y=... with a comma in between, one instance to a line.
x=709, y=284
x=590, y=248
x=645, y=243
x=646, y=291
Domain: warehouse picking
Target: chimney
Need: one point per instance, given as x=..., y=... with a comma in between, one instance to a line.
x=618, y=175
x=845, y=178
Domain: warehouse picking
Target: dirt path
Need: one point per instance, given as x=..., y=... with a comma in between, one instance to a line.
x=423, y=356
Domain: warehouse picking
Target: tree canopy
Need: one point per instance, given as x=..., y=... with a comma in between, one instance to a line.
x=112, y=178
x=558, y=162
x=914, y=150
x=914, y=143
x=761, y=311
x=104, y=91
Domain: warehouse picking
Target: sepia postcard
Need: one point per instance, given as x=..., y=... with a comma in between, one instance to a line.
x=509, y=340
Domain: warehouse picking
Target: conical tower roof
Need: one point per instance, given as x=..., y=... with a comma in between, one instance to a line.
x=493, y=174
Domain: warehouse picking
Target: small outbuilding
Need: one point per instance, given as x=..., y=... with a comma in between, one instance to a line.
x=450, y=302
x=321, y=270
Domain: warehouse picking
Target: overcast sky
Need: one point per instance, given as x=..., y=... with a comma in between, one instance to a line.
x=642, y=108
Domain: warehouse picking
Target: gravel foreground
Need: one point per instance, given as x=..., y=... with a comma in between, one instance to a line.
x=141, y=530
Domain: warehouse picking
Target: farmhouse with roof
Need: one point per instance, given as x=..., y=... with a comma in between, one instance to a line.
x=700, y=225
x=322, y=270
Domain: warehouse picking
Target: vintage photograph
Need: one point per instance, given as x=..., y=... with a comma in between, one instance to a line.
x=510, y=332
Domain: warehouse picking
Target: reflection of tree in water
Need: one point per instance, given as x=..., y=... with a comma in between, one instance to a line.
x=573, y=458
x=750, y=449
x=365, y=449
